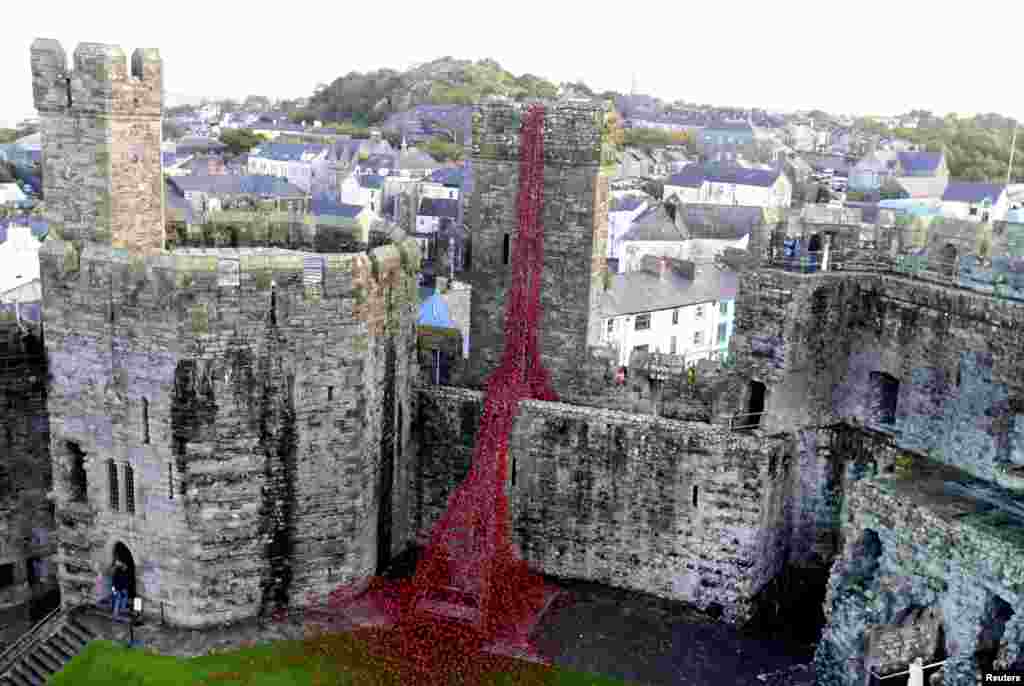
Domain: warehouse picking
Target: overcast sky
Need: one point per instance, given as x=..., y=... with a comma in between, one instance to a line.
x=869, y=57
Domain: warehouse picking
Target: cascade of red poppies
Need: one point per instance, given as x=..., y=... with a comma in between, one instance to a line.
x=470, y=559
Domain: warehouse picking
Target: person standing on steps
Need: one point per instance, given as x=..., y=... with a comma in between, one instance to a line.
x=916, y=673
x=120, y=587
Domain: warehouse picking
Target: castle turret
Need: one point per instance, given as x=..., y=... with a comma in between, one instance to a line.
x=575, y=217
x=101, y=136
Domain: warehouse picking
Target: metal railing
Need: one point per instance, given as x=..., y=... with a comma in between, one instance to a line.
x=746, y=422
x=878, y=678
x=12, y=653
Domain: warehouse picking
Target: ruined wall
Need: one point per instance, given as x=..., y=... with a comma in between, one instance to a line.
x=609, y=496
x=263, y=379
x=575, y=217
x=101, y=137
x=816, y=340
x=26, y=522
x=927, y=537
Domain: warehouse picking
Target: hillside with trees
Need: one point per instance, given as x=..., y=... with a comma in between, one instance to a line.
x=977, y=149
x=368, y=99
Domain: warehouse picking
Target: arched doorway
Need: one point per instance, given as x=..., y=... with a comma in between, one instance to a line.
x=122, y=553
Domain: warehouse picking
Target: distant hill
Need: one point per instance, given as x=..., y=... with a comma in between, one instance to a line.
x=370, y=98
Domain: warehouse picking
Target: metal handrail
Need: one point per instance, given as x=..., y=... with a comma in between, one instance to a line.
x=904, y=672
x=14, y=652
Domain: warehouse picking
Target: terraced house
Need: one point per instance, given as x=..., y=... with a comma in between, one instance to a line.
x=306, y=166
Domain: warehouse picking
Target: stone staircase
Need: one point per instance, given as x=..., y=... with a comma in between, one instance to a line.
x=44, y=650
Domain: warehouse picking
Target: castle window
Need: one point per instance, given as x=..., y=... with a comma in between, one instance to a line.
x=145, y=421
x=170, y=482
x=506, y=249
x=6, y=576
x=694, y=496
x=883, y=394
x=78, y=480
x=330, y=393
x=115, y=499
x=129, y=489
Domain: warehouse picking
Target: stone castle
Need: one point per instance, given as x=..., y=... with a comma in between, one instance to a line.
x=247, y=426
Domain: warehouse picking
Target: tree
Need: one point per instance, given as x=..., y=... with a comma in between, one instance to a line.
x=241, y=140
x=8, y=135
x=442, y=150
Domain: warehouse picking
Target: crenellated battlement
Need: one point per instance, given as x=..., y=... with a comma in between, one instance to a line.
x=572, y=132
x=100, y=81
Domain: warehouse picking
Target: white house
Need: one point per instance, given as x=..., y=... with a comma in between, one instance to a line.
x=304, y=166
x=696, y=233
x=19, y=266
x=730, y=185
x=11, y=194
x=980, y=202
x=364, y=190
x=672, y=307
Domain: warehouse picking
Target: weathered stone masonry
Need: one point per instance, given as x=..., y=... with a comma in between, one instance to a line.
x=244, y=388
x=575, y=218
x=609, y=496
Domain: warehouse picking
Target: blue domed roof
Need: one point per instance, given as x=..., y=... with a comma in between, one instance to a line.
x=434, y=312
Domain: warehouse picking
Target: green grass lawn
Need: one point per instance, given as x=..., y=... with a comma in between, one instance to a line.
x=335, y=660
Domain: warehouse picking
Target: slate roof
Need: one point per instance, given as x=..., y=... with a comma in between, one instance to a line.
x=198, y=143
x=920, y=162
x=439, y=207
x=626, y=203
x=373, y=181
x=325, y=205
x=970, y=191
x=654, y=224
x=231, y=184
x=287, y=152
x=643, y=291
x=434, y=312
x=741, y=175
x=377, y=161
x=691, y=176
x=449, y=176
x=730, y=126
x=722, y=222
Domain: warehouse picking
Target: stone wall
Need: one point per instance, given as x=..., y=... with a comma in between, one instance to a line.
x=26, y=521
x=916, y=543
x=816, y=340
x=246, y=389
x=575, y=216
x=609, y=496
x=101, y=137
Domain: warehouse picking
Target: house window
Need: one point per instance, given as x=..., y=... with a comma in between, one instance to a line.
x=129, y=489
x=724, y=307
x=611, y=326
x=699, y=314
x=973, y=211
x=115, y=499
x=672, y=346
x=723, y=331
x=698, y=338
x=643, y=321
x=675, y=316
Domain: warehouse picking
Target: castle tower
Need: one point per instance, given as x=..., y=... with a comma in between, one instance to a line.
x=575, y=219
x=101, y=131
